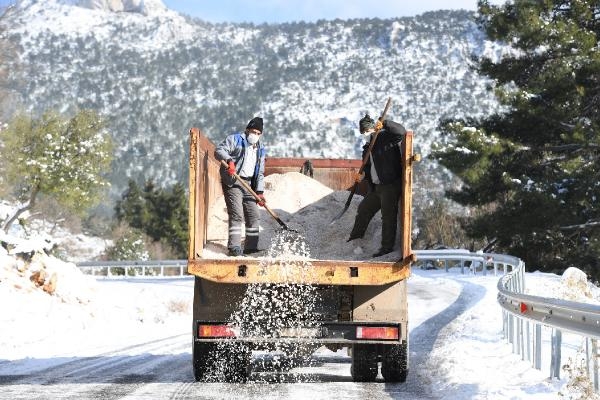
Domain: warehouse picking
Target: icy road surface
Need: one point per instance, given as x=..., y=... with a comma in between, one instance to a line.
x=160, y=367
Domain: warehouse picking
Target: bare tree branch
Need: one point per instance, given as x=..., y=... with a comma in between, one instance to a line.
x=589, y=224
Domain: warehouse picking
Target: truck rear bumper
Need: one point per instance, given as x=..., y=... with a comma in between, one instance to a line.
x=326, y=333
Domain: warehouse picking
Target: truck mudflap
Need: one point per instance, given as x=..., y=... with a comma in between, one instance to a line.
x=347, y=332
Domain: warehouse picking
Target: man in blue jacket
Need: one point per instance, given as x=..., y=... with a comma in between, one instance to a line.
x=245, y=156
x=383, y=171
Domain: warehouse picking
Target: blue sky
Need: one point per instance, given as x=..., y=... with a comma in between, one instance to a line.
x=275, y=11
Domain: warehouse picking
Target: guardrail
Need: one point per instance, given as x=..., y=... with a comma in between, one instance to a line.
x=524, y=315
x=451, y=257
x=131, y=269
x=464, y=259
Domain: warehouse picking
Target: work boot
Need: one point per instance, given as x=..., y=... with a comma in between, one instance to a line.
x=252, y=251
x=382, y=251
x=235, y=252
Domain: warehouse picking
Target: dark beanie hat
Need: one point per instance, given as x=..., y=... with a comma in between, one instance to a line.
x=366, y=123
x=255, y=123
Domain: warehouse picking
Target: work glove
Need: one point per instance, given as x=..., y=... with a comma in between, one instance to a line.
x=378, y=125
x=262, y=200
x=231, y=167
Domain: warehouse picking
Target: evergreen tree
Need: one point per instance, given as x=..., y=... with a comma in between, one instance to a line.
x=179, y=218
x=162, y=214
x=131, y=207
x=535, y=166
x=64, y=158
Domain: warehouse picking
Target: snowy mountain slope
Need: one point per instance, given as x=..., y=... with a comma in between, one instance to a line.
x=154, y=75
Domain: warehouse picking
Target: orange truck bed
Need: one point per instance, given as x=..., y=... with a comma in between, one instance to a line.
x=338, y=174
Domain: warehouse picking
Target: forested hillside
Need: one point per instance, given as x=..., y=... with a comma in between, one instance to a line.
x=154, y=76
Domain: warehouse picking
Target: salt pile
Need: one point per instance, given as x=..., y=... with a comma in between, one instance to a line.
x=308, y=206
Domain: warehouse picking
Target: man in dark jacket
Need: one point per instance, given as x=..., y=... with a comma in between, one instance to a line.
x=383, y=171
x=245, y=156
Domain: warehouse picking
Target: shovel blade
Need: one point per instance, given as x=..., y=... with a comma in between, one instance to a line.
x=346, y=206
x=284, y=226
x=339, y=215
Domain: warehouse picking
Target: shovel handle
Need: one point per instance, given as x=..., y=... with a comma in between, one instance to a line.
x=388, y=103
x=253, y=193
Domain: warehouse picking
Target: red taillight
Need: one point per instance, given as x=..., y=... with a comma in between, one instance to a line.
x=215, y=331
x=377, y=332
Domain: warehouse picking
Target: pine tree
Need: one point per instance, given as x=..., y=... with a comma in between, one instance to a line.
x=131, y=206
x=179, y=219
x=535, y=165
x=162, y=214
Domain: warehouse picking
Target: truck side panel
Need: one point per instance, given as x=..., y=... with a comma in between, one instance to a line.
x=382, y=303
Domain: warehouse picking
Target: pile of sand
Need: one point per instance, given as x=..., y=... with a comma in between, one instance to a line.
x=308, y=206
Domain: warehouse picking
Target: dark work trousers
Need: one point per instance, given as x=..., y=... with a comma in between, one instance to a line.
x=241, y=208
x=384, y=198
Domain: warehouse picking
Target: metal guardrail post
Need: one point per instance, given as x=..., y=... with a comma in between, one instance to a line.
x=505, y=324
x=555, y=353
x=521, y=324
x=528, y=342
x=592, y=355
x=537, y=359
x=511, y=332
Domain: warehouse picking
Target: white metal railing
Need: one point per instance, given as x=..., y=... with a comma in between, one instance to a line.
x=464, y=259
x=133, y=269
x=524, y=315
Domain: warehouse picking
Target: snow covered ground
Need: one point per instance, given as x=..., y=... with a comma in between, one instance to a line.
x=469, y=358
x=57, y=326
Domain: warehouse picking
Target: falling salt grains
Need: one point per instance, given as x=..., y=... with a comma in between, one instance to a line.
x=284, y=310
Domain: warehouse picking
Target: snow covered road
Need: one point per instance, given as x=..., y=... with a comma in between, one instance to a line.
x=161, y=368
x=141, y=349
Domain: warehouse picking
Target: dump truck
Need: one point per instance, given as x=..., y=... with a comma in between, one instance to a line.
x=362, y=305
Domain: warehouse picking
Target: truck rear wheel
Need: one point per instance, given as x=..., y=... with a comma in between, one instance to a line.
x=394, y=364
x=364, y=363
x=202, y=353
x=221, y=362
x=236, y=362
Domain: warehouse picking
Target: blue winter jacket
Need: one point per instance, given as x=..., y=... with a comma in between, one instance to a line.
x=233, y=148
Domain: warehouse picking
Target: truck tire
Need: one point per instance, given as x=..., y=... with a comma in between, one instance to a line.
x=394, y=363
x=202, y=354
x=364, y=363
x=227, y=363
x=236, y=360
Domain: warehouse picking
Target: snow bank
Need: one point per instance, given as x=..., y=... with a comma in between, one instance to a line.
x=26, y=266
x=573, y=285
x=50, y=308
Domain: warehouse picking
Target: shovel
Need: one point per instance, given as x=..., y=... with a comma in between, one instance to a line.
x=253, y=193
x=362, y=167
